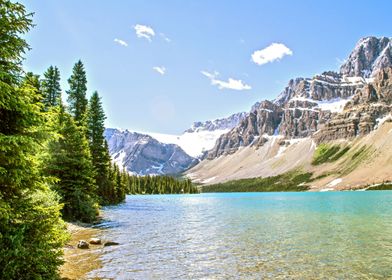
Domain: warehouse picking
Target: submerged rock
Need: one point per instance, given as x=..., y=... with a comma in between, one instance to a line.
x=82, y=244
x=110, y=243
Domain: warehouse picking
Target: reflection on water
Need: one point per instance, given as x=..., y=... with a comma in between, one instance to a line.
x=341, y=235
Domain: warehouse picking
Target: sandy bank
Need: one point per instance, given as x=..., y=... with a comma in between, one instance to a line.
x=78, y=262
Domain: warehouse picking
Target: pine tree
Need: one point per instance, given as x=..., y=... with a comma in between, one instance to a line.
x=98, y=146
x=70, y=162
x=51, y=87
x=31, y=230
x=110, y=193
x=77, y=100
x=120, y=187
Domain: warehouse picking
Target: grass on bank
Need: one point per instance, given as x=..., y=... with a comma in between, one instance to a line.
x=328, y=153
x=287, y=182
x=356, y=157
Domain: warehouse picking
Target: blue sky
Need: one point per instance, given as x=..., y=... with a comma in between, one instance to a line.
x=194, y=40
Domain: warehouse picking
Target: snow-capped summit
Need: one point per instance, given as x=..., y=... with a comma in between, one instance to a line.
x=142, y=154
x=218, y=124
x=157, y=153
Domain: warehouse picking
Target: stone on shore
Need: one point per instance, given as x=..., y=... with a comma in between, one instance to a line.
x=82, y=244
x=95, y=241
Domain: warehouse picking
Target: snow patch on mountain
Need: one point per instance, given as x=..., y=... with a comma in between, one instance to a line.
x=335, y=105
x=193, y=143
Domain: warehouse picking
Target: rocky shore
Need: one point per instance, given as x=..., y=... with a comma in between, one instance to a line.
x=79, y=262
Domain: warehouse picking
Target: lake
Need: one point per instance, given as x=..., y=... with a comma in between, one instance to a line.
x=330, y=235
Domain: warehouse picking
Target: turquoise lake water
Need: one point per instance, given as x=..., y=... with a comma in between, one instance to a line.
x=330, y=235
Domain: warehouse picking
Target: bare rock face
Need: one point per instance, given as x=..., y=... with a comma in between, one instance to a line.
x=264, y=119
x=368, y=108
x=383, y=84
x=303, y=107
x=370, y=55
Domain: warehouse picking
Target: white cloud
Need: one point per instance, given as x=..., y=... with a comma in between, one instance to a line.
x=230, y=84
x=275, y=51
x=160, y=69
x=164, y=37
x=144, y=31
x=121, y=42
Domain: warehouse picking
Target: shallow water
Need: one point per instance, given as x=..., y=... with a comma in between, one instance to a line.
x=333, y=235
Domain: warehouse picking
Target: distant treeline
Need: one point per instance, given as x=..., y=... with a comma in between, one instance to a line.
x=159, y=185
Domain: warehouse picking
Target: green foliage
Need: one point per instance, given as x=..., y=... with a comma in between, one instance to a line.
x=70, y=162
x=99, y=149
x=31, y=241
x=290, y=181
x=32, y=80
x=77, y=101
x=51, y=89
x=31, y=231
x=328, y=153
x=159, y=185
x=14, y=21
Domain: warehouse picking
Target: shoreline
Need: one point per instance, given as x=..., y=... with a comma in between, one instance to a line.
x=79, y=262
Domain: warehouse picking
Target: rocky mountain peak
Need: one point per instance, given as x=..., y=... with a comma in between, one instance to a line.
x=142, y=154
x=218, y=124
x=370, y=55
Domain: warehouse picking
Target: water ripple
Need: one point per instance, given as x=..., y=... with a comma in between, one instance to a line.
x=250, y=236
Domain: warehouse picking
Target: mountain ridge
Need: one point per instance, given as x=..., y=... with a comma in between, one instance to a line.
x=128, y=149
x=333, y=107
x=306, y=104
x=143, y=155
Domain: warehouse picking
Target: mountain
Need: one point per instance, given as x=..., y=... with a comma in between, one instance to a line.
x=155, y=153
x=141, y=154
x=370, y=106
x=306, y=104
x=369, y=56
x=218, y=124
x=331, y=108
x=201, y=136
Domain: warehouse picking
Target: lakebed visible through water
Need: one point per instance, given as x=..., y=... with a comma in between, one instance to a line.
x=334, y=235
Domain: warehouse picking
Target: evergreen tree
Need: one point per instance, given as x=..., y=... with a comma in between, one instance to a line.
x=98, y=146
x=31, y=230
x=32, y=80
x=157, y=185
x=70, y=162
x=51, y=87
x=77, y=100
x=110, y=193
